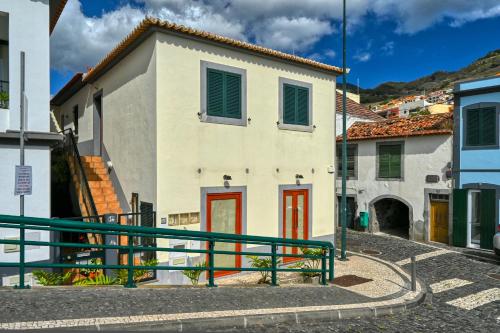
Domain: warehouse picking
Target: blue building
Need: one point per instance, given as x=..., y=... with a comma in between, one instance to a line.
x=476, y=162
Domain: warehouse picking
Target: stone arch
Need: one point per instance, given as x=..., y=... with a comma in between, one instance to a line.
x=392, y=214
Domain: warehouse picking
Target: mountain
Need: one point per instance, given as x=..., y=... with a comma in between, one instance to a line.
x=489, y=65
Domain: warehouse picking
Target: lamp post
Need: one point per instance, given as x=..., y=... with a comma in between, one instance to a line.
x=343, y=204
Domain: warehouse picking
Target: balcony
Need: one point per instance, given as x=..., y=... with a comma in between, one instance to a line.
x=4, y=94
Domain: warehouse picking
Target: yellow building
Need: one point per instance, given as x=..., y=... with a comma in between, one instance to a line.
x=440, y=108
x=218, y=134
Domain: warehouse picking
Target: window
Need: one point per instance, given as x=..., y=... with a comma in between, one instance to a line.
x=75, y=119
x=352, y=153
x=223, y=91
x=295, y=105
x=390, y=162
x=481, y=127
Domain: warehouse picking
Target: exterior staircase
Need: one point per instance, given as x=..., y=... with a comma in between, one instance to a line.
x=101, y=187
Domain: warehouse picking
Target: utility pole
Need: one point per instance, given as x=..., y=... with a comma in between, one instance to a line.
x=22, y=232
x=343, y=205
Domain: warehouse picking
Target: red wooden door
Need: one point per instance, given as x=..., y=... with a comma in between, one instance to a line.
x=295, y=219
x=224, y=215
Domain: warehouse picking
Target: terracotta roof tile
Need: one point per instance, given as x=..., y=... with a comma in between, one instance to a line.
x=166, y=26
x=437, y=124
x=357, y=110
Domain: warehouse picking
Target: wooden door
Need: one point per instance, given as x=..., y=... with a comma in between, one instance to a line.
x=224, y=216
x=439, y=222
x=295, y=219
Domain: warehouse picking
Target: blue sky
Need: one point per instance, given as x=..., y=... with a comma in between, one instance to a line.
x=388, y=40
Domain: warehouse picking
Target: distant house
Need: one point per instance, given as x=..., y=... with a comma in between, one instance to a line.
x=476, y=163
x=399, y=173
x=217, y=134
x=355, y=112
x=25, y=26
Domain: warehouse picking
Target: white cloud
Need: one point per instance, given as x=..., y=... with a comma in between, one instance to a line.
x=388, y=48
x=289, y=25
x=330, y=53
x=362, y=56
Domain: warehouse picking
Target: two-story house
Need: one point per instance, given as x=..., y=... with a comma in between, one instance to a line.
x=476, y=163
x=25, y=26
x=399, y=174
x=218, y=134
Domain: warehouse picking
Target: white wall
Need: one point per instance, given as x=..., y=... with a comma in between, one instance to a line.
x=350, y=120
x=423, y=155
x=28, y=32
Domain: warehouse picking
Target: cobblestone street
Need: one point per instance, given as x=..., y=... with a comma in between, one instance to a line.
x=468, y=291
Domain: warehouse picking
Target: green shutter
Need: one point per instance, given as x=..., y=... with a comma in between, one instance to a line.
x=487, y=218
x=395, y=164
x=302, y=116
x=215, y=93
x=289, y=93
x=351, y=160
x=389, y=161
x=472, y=127
x=233, y=96
x=488, y=125
x=384, y=163
x=295, y=105
x=460, y=217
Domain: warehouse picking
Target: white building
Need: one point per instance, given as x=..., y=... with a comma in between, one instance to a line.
x=398, y=173
x=355, y=112
x=25, y=26
x=407, y=106
x=198, y=123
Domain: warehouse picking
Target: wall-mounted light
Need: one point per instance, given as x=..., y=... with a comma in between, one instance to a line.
x=297, y=176
x=227, y=177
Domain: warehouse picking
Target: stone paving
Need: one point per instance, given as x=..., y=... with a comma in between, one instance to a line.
x=436, y=315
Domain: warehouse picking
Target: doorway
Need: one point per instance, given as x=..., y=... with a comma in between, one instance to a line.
x=98, y=124
x=295, y=218
x=393, y=217
x=224, y=215
x=351, y=213
x=439, y=217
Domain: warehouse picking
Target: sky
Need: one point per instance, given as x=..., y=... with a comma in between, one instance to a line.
x=388, y=40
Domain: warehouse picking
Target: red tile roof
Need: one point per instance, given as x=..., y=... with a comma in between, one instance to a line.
x=436, y=124
x=357, y=110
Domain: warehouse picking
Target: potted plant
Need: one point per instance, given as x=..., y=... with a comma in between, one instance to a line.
x=4, y=99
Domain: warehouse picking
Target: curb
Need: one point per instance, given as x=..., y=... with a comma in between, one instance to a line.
x=297, y=317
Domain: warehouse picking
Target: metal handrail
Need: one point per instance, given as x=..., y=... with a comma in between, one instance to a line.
x=90, y=205
x=211, y=238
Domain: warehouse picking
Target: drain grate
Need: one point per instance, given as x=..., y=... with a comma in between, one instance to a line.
x=350, y=280
x=371, y=252
x=494, y=276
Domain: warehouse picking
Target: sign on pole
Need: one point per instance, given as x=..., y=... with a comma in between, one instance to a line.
x=24, y=180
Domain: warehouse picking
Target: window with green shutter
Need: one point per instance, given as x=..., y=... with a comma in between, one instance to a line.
x=295, y=105
x=390, y=160
x=223, y=94
x=352, y=151
x=481, y=127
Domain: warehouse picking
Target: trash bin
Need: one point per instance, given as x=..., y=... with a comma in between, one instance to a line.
x=363, y=220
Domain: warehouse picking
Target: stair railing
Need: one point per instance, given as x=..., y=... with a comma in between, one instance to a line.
x=83, y=191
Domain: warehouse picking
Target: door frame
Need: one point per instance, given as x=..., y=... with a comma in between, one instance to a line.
x=98, y=124
x=437, y=202
x=469, y=218
x=204, y=193
x=281, y=224
x=427, y=212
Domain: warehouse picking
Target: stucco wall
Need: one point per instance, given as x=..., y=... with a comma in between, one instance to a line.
x=28, y=33
x=426, y=155
x=129, y=104
x=350, y=120
x=185, y=144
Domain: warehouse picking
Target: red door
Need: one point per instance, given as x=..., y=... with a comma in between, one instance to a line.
x=224, y=215
x=295, y=219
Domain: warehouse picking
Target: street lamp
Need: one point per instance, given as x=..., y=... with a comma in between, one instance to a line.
x=343, y=204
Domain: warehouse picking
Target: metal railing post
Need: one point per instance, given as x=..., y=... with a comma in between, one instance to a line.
x=22, y=258
x=130, y=275
x=323, y=266
x=331, y=265
x=211, y=272
x=413, y=273
x=274, y=264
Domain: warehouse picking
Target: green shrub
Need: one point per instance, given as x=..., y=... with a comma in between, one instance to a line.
x=194, y=274
x=309, y=263
x=98, y=280
x=263, y=262
x=122, y=274
x=51, y=279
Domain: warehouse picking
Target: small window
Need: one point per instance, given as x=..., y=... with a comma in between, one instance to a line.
x=390, y=161
x=481, y=127
x=295, y=105
x=352, y=152
x=223, y=91
x=75, y=119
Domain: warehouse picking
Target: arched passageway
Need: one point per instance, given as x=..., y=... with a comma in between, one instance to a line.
x=393, y=217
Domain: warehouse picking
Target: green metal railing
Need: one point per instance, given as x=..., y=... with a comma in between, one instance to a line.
x=132, y=232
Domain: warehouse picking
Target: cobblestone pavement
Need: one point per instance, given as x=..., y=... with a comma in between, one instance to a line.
x=472, y=292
